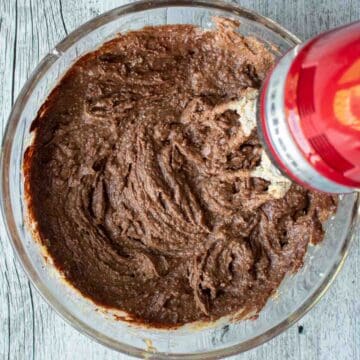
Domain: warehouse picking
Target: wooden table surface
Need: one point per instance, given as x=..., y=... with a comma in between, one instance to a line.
x=29, y=328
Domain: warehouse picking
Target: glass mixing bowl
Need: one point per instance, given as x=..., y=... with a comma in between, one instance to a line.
x=298, y=292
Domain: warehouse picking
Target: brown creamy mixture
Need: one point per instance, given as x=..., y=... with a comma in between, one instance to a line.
x=139, y=179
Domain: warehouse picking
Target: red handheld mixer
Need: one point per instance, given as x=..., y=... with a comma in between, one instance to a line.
x=309, y=112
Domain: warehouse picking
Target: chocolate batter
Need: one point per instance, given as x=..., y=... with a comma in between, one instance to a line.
x=139, y=179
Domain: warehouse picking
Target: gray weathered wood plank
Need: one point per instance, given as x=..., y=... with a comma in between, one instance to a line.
x=29, y=329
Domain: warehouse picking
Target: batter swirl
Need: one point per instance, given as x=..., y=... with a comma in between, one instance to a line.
x=141, y=179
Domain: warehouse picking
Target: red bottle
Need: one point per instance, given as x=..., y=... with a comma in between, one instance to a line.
x=309, y=112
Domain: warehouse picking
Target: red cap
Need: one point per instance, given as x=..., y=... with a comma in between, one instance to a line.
x=322, y=104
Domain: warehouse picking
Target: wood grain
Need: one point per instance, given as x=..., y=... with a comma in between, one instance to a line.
x=29, y=329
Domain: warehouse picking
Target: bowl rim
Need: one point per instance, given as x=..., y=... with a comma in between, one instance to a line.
x=9, y=221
